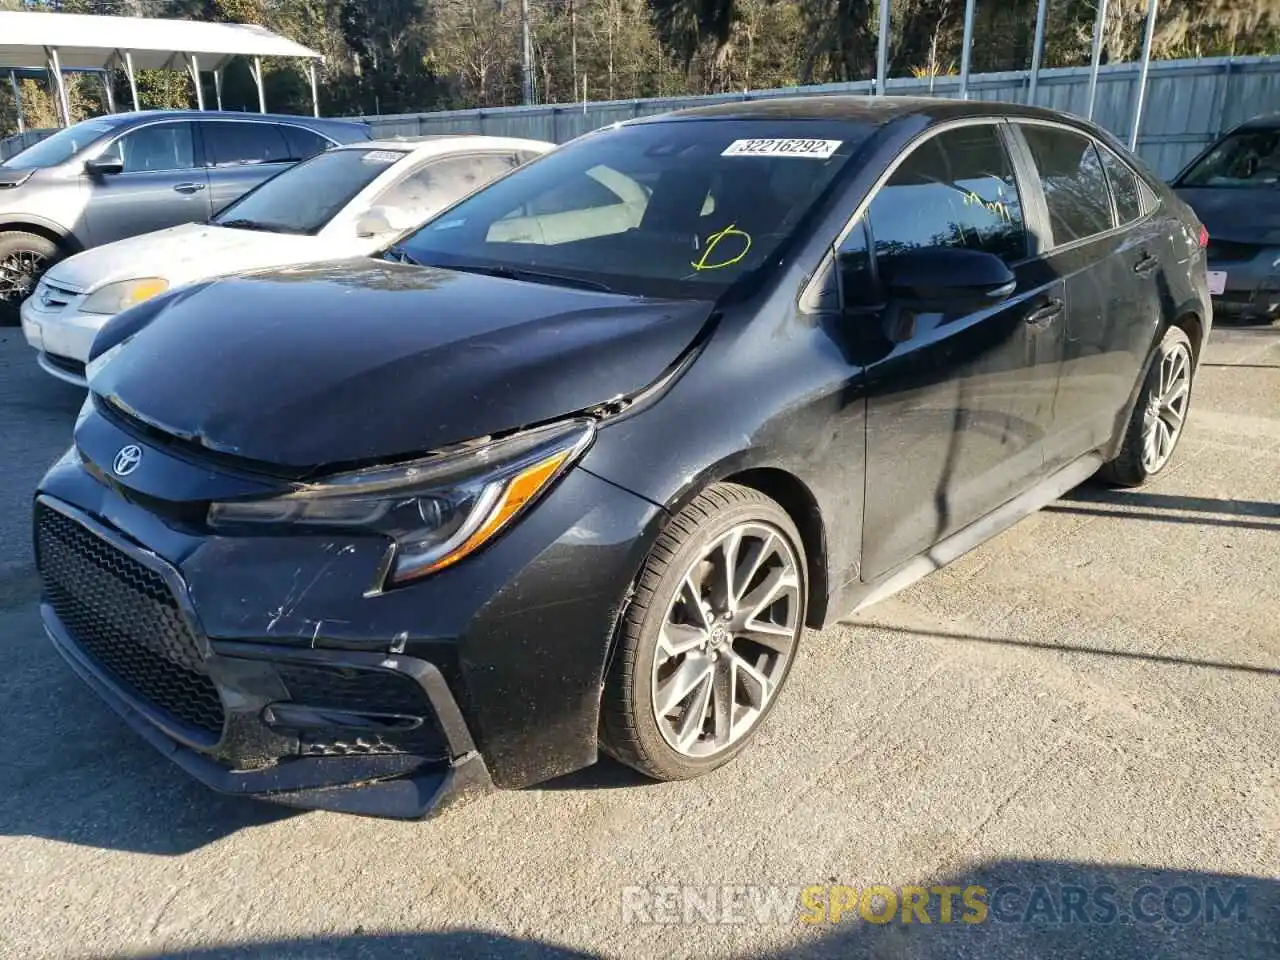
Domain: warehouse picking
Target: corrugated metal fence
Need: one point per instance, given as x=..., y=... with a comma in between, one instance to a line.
x=1189, y=103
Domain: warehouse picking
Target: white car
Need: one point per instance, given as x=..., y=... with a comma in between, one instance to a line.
x=348, y=201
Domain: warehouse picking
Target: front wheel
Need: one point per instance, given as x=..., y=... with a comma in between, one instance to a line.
x=24, y=257
x=1158, y=417
x=709, y=637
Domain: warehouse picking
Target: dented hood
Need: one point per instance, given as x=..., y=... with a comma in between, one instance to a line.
x=364, y=359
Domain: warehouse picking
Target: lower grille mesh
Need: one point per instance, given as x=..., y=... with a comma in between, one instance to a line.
x=124, y=616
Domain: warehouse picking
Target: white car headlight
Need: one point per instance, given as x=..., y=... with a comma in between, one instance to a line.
x=115, y=297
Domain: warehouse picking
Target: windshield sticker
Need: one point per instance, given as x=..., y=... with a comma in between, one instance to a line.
x=727, y=257
x=382, y=156
x=814, y=149
x=448, y=224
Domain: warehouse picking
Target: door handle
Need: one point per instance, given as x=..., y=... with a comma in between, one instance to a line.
x=1147, y=265
x=188, y=187
x=1045, y=315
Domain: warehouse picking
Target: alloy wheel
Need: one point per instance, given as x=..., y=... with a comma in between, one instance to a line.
x=1166, y=411
x=18, y=273
x=727, y=640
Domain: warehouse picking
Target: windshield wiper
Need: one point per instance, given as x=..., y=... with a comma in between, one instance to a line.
x=400, y=255
x=532, y=276
x=243, y=224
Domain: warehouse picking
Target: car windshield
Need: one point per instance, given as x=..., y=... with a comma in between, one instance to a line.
x=1248, y=159
x=671, y=209
x=304, y=198
x=59, y=147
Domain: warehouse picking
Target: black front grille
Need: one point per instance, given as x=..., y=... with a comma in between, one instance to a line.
x=363, y=691
x=65, y=363
x=1229, y=251
x=124, y=616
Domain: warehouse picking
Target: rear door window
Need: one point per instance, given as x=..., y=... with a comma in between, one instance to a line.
x=230, y=144
x=1075, y=185
x=156, y=148
x=956, y=189
x=1124, y=187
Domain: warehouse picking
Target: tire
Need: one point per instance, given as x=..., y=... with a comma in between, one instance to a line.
x=643, y=669
x=1135, y=464
x=24, y=258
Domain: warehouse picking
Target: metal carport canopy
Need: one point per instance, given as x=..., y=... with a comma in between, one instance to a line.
x=69, y=41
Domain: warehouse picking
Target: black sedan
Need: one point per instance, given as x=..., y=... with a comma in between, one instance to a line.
x=570, y=467
x=1234, y=187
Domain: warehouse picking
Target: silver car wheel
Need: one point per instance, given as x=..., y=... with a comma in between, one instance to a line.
x=1166, y=411
x=727, y=640
x=18, y=273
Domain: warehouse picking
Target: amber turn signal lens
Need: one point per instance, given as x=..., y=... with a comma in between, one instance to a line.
x=520, y=489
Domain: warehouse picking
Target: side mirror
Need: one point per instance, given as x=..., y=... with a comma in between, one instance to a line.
x=374, y=222
x=109, y=163
x=947, y=280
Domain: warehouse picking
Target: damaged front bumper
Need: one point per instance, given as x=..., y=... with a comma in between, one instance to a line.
x=356, y=732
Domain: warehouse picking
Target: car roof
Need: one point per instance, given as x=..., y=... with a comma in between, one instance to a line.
x=1269, y=121
x=444, y=143
x=317, y=123
x=877, y=111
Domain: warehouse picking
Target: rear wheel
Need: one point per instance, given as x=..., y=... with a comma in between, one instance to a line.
x=1159, y=416
x=24, y=257
x=709, y=637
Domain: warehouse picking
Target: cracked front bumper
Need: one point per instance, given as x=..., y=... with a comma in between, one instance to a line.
x=366, y=733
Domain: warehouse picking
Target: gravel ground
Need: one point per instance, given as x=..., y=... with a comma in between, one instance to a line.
x=1087, y=703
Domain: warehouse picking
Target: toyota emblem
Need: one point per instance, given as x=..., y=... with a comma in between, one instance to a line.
x=127, y=460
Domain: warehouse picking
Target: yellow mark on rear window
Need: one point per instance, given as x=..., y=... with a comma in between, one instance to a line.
x=713, y=243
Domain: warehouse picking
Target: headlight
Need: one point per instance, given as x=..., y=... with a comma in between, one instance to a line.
x=115, y=297
x=437, y=510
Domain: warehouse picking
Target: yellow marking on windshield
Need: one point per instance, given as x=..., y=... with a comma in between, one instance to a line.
x=998, y=207
x=713, y=242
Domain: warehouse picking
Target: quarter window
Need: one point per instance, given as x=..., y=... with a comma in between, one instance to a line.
x=231, y=144
x=159, y=147
x=1075, y=186
x=303, y=143
x=1124, y=187
x=956, y=189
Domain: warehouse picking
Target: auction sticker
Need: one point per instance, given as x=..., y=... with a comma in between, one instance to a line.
x=814, y=149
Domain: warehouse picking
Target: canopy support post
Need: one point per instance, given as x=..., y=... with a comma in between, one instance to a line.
x=60, y=88
x=193, y=69
x=315, y=94
x=133, y=80
x=107, y=89
x=217, y=86
x=1153, y=8
x=17, y=100
x=255, y=68
x=1099, y=25
x=968, y=49
x=882, y=50
x=1037, y=54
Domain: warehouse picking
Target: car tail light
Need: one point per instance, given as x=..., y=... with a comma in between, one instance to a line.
x=1204, y=236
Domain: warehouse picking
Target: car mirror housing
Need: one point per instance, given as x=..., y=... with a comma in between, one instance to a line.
x=374, y=222
x=948, y=280
x=108, y=163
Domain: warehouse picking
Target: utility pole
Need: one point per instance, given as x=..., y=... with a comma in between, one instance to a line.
x=573, y=45
x=526, y=66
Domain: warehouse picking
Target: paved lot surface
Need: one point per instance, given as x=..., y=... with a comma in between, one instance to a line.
x=1091, y=700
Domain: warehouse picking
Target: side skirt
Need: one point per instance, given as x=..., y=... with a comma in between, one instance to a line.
x=857, y=596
